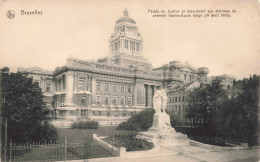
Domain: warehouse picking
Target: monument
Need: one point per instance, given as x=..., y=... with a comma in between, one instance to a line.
x=161, y=132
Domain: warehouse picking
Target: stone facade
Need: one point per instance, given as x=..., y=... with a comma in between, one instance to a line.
x=113, y=88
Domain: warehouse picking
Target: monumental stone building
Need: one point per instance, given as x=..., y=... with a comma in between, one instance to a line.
x=113, y=88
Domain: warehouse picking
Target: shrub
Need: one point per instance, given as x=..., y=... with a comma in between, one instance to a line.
x=130, y=142
x=126, y=126
x=85, y=125
x=140, y=121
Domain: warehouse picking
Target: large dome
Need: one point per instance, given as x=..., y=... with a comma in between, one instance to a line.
x=126, y=18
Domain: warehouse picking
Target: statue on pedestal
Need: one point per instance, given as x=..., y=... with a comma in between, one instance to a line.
x=161, y=129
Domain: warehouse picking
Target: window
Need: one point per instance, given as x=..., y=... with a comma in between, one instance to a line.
x=183, y=98
x=106, y=100
x=114, y=102
x=126, y=44
x=123, y=88
x=48, y=87
x=81, y=83
x=37, y=83
x=184, y=76
x=129, y=89
x=129, y=101
x=122, y=102
x=83, y=100
x=137, y=47
x=99, y=113
x=179, y=99
x=98, y=86
x=63, y=82
x=83, y=112
x=114, y=87
x=124, y=113
x=98, y=100
x=108, y=114
x=107, y=87
x=176, y=99
x=190, y=78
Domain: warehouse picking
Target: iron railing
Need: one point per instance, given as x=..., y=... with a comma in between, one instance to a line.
x=62, y=151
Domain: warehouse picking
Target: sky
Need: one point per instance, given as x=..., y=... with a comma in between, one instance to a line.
x=81, y=29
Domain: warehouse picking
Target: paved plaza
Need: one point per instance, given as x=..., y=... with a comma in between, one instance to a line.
x=187, y=154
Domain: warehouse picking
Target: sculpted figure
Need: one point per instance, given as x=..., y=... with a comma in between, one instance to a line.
x=160, y=101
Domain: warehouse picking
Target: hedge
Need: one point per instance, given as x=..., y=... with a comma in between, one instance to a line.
x=85, y=125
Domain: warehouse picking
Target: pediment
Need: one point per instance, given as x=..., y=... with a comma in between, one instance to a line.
x=188, y=69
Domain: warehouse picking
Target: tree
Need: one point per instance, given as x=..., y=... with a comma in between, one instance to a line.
x=24, y=109
x=203, y=104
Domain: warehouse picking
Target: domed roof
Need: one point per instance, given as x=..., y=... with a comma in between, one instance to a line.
x=126, y=18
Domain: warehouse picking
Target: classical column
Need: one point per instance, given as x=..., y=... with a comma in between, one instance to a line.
x=135, y=95
x=149, y=95
x=89, y=83
x=93, y=89
x=153, y=92
x=69, y=94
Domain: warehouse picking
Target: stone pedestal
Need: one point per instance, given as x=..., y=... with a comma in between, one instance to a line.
x=161, y=133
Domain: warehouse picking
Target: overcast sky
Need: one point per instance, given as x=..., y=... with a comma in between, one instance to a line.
x=81, y=29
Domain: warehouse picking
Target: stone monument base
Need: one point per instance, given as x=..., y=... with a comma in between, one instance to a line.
x=161, y=133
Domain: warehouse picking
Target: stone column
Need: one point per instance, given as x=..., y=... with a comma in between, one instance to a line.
x=135, y=95
x=93, y=89
x=89, y=83
x=149, y=95
x=69, y=95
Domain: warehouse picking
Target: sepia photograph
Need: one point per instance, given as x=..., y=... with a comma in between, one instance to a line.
x=129, y=81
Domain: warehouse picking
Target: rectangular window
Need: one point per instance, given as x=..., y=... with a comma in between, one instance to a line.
x=106, y=100
x=83, y=100
x=98, y=100
x=114, y=102
x=123, y=88
x=185, y=77
x=81, y=83
x=98, y=86
x=99, y=113
x=183, y=98
x=48, y=87
x=176, y=99
x=115, y=88
x=107, y=87
x=63, y=82
x=83, y=112
x=129, y=101
x=122, y=102
x=129, y=89
x=179, y=99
